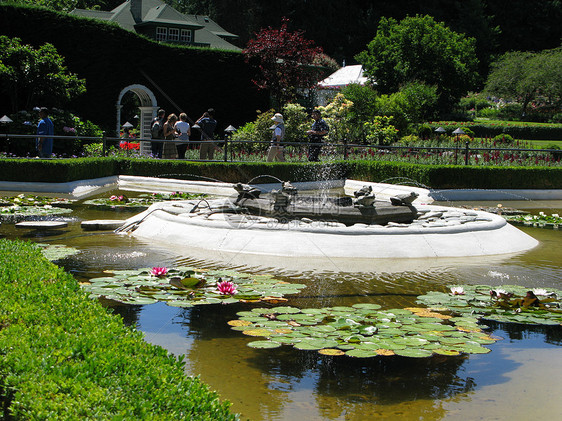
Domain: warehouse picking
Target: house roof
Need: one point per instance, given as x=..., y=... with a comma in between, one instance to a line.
x=155, y=12
x=212, y=26
x=344, y=76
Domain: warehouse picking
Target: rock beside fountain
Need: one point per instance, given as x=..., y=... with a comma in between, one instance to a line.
x=45, y=225
x=101, y=225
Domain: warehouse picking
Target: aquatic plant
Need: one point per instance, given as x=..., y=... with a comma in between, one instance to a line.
x=457, y=290
x=226, y=288
x=17, y=213
x=31, y=200
x=540, y=220
x=186, y=287
x=159, y=271
x=363, y=330
x=508, y=303
x=119, y=202
x=55, y=252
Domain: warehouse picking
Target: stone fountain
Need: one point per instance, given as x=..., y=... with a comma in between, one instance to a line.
x=284, y=222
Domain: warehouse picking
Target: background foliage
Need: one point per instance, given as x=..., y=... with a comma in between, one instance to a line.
x=110, y=59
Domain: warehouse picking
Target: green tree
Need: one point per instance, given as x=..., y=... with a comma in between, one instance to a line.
x=526, y=76
x=421, y=49
x=29, y=76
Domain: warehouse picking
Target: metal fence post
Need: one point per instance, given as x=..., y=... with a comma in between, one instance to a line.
x=345, y=152
x=225, y=148
x=466, y=154
x=103, y=144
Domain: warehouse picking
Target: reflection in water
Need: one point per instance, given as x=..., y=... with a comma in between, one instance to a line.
x=521, y=372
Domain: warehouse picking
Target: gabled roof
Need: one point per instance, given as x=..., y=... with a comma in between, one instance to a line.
x=156, y=12
x=153, y=12
x=212, y=26
x=344, y=76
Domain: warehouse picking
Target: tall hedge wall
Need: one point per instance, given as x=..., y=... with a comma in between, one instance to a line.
x=530, y=131
x=111, y=58
x=433, y=176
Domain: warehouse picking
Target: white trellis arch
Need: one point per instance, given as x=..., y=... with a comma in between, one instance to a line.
x=148, y=109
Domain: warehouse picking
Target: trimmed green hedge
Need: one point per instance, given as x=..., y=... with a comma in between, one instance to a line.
x=521, y=131
x=457, y=176
x=63, y=356
x=57, y=170
x=434, y=176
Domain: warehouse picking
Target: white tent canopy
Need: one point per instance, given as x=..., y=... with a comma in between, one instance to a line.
x=344, y=76
x=329, y=87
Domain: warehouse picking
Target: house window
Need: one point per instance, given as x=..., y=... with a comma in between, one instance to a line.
x=161, y=33
x=174, y=34
x=185, y=36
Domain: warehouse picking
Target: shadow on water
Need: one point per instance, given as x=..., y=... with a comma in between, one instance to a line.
x=278, y=378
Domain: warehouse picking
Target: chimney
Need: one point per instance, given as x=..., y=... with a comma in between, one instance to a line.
x=136, y=10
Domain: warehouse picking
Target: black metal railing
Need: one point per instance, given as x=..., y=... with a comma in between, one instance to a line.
x=228, y=150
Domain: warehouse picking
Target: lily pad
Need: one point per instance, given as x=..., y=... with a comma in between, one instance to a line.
x=185, y=287
x=55, y=252
x=409, y=336
x=264, y=344
x=413, y=353
x=506, y=304
x=331, y=352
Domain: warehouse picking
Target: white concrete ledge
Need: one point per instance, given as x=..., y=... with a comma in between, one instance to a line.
x=493, y=194
x=84, y=188
x=75, y=189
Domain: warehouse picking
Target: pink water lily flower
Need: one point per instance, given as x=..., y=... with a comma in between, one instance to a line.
x=457, y=290
x=226, y=288
x=159, y=271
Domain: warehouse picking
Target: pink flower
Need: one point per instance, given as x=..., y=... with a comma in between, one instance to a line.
x=159, y=271
x=226, y=288
x=457, y=290
x=113, y=198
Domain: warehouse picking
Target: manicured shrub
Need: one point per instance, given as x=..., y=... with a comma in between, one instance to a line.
x=504, y=139
x=65, y=357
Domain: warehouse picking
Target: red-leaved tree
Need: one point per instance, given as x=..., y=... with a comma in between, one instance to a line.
x=285, y=61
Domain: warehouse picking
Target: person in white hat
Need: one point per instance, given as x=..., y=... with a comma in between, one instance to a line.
x=275, y=152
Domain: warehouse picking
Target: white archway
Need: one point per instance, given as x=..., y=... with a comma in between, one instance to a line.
x=148, y=109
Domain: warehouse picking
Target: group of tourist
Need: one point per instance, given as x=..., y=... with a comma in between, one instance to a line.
x=316, y=136
x=178, y=132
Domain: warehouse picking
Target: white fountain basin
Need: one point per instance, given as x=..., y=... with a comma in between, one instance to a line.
x=450, y=232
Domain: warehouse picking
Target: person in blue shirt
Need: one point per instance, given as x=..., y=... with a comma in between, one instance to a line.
x=207, y=124
x=45, y=127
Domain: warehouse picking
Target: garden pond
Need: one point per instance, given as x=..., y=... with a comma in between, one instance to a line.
x=520, y=375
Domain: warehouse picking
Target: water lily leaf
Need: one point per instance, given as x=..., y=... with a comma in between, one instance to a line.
x=287, y=310
x=413, y=353
x=471, y=349
x=239, y=323
x=446, y=352
x=179, y=303
x=264, y=344
x=385, y=352
x=257, y=332
x=139, y=300
x=361, y=353
x=367, y=306
x=331, y=352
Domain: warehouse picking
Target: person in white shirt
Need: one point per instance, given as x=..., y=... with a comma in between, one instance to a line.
x=184, y=131
x=275, y=152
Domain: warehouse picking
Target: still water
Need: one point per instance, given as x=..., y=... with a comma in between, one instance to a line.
x=518, y=380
